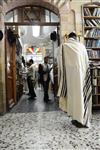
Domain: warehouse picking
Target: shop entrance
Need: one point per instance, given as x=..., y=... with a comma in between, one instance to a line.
x=29, y=45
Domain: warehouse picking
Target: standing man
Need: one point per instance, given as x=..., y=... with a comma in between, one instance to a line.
x=31, y=79
x=46, y=78
x=75, y=82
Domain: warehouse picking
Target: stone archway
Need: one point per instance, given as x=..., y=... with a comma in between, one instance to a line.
x=52, y=5
x=61, y=8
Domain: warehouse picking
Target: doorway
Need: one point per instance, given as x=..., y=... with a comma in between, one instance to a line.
x=22, y=30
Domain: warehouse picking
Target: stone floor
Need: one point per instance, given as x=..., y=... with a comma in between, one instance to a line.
x=25, y=128
x=47, y=131
x=38, y=105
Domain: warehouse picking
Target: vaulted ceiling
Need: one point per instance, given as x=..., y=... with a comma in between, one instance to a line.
x=58, y=3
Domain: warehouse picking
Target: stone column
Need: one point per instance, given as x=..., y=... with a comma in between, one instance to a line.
x=77, y=7
x=67, y=20
x=2, y=66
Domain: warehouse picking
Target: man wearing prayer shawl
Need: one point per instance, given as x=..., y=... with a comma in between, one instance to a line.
x=75, y=81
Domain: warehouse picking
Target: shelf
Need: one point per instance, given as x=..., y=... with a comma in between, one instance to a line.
x=91, y=17
x=96, y=59
x=96, y=48
x=93, y=48
x=95, y=67
x=89, y=27
x=96, y=85
x=92, y=6
x=95, y=77
x=92, y=38
x=96, y=105
x=96, y=94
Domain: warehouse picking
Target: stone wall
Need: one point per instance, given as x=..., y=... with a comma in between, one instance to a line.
x=71, y=16
x=2, y=67
x=76, y=5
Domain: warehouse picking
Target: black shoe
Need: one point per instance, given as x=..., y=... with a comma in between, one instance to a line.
x=74, y=122
x=78, y=124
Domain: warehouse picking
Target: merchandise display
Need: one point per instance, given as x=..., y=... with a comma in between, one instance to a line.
x=19, y=81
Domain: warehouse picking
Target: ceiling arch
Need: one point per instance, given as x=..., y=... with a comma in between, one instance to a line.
x=39, y=3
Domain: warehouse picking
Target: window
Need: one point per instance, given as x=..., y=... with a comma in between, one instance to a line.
x=31, y=14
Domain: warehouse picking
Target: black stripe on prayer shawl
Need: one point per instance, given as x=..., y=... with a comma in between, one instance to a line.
x=62, y=90
x=61, y=94
x=87, y=91
x=87, y=86
x=87, y=83
x=89, y=94
x=86, y=121
x=64, y=85
x=65, y=81
x=87, y=97
x=85, y=110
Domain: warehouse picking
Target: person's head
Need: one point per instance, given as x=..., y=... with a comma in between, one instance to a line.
x=46, y=59
x=27, y=64
x=72, y=35
x=31, y=61
x=40, y=67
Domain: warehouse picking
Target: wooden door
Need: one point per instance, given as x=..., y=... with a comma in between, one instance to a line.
x=10, y=74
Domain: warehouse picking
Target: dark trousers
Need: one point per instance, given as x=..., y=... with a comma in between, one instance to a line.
x=31, y=87
x=46, y=87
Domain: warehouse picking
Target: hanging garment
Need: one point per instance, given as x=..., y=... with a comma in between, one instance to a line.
x=62, y=81
x=75, y=83
x=63, y=103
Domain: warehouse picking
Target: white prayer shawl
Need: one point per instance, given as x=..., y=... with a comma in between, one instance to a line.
x=75, y=81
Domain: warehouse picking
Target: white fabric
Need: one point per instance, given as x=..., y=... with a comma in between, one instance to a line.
x=63, y=104
x=51, y=76
x=46, y=68
x=31, y=71
x=76, y=60
x=24, y=72
x=60, y=71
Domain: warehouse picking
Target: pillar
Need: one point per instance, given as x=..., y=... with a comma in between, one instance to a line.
x=2, y=66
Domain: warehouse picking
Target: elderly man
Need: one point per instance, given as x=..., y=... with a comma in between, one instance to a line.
x=75, y=82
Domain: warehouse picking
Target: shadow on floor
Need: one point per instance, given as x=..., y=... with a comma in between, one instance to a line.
x=25, y=105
